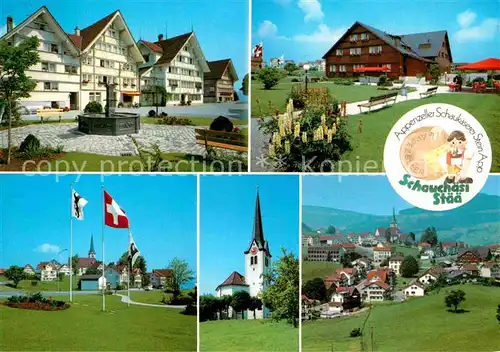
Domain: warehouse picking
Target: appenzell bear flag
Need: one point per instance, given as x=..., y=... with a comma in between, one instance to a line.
x=77, y=204
x=133, y=251
x=114, y=216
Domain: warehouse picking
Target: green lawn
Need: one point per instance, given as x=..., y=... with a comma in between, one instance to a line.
x=312, y=270
x=421, y=324
x=153, y=297
x=413, y=251
x=85, y=327
x=26, y=285
x=248, y=335
x=369, y=146
x=277, y=96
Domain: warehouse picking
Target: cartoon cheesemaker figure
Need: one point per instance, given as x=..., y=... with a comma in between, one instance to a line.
x=458, y=158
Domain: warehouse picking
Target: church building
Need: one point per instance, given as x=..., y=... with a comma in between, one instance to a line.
x=91, y=262
x=257, y=264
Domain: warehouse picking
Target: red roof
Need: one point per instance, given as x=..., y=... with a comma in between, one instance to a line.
x=76, y=39
x=488, y=64
x=348, y=245
x=383, y=249
x=234, y=279
x=326, y=238
x=379, y=284
x=2, y=271
x=88, y=263
x=379, y=273
x=163, y=272
x=450, y=244
x=153, y=46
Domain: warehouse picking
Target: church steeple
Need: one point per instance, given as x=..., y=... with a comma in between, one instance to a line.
x=258, y=231
x=91, y=250
x=394, y=222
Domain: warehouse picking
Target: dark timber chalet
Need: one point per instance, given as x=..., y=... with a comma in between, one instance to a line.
x=364, y=49
x=219, y=82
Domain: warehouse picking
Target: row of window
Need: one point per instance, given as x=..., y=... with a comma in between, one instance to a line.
x=111, y=48
x=343, y=68
x=185, y=59
x=184, y=84
x=183, y=71
x=362, y=36
x=51, y=67
x=108, y=64
x=86, y=78
x=372, y=50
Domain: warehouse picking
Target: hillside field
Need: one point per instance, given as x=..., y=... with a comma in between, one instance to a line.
x=312, y=270
x=419, y=324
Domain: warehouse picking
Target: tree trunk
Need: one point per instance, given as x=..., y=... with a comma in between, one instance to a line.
x=294, y=322
x=254, y=314
x=9, y=133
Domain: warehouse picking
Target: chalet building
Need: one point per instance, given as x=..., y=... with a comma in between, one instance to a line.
x=395, y=263
x=74, y=68
x=176, y=63
x=332, y=253
x=48, y=271
x=28, y=270
x=219, y=82
x=161, y=277
x=478, y=254
x=381, y=252
x=364, y=49
x=415, y=289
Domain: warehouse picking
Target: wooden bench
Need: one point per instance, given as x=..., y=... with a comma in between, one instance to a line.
x=48, y=113
x=429, y=92
x=381, y=99
x=227, y=140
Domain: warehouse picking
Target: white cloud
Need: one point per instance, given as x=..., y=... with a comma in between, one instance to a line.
x=486, y=30
x=466, y=18
x=312, y=10
x=269, y=30
x=47, y=248
x=3, y=30
x=323, y=34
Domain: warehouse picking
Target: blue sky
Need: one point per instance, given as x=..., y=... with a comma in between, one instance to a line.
x=305, y=29
x=35, y=218
x=364, y=194
x=221, y=26
x=227, y=211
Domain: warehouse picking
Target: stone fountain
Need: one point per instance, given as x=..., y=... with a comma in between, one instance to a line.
x=110, y=123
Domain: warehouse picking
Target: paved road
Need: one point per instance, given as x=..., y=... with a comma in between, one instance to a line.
x=125, y=299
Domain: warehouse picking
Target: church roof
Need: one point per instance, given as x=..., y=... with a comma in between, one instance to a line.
x=235, y=279
x=258, y=231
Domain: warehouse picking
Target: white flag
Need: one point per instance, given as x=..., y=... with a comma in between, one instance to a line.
x=77, y=204
x=133, y=252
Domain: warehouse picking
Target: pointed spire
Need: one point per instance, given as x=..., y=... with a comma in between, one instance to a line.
x=258, y=231
x=393, y=214
x=91, y=250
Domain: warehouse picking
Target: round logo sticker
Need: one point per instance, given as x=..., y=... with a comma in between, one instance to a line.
x=437, y=157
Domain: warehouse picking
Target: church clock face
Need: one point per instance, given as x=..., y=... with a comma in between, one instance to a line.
x=253, y=250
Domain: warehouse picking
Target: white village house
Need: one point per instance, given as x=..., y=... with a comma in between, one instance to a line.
x=48, y=271
x=28, y=269
x=176, y=63
x=257, y=264
x=75, y=67
x=415, y=289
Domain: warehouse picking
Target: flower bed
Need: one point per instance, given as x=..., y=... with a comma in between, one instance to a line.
x=35, y=301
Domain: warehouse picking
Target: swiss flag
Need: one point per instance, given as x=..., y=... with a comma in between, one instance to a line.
x=114, y=216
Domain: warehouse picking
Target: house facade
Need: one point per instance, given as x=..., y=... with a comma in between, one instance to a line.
x=28, y=270
x=161, y=277
x=380, y=253
x=331, y=253
x=364, y=49
x=414, y=289
x=395, y=264
x=219, y=82
x=48, y=271
x=373, y=291
x=75, y=67
x=178, y=65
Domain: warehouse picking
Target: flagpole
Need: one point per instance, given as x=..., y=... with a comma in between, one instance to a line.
x=102, y=238
x=129, y=264
x=71, y=245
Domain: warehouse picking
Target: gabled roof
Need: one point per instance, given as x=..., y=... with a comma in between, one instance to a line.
x=92, y=32
x=481, y=251
x=153, y=46
x=28, y=266
x=235, y=279
x=163, y=272
x=415, y=283
x=379, y=283
x=435, y=39
x=76, y=39
x=48, y=16
x=217, y=69
x=394, y=41
x=88, y=263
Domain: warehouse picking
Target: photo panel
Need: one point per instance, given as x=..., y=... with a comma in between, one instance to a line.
x=373, y=263
x=108, y=253
x=249, y=263
x=330, y=79
x=125, y=87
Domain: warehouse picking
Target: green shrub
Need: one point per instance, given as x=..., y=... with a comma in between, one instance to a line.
x=93, y=107
x=190, y=310
x=478, y=79
x=181, y=301
x=269, y=76
x=172, y=120
x=34, y=282
x=356, y=332
x=30, y=143
x=119, y=287
x=295, y=80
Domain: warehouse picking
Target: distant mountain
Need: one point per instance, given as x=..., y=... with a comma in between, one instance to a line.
x=476, y=222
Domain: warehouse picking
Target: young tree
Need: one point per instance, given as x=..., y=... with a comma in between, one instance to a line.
x=331, y=230
x=269, y=76
x=14, y=84
x=225, y=302
x=315, y=289
x=409, y=266
x=74, y=263
x=291, y=67
x=348, y=258
x=93, y=271
x=454, y=298
x=244, y=85
x=182, y=274
x=283, y=292
x=15, y=274
x=208, y=307
x=60, y=276
x=411, y=235
x=254, y=304
x=240, y=302
x=430, y=236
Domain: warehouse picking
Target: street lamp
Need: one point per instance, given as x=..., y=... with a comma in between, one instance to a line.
x=306, y=68
x=57, y=271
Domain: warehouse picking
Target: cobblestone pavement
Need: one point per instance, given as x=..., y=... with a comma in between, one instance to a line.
x=171, y=139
